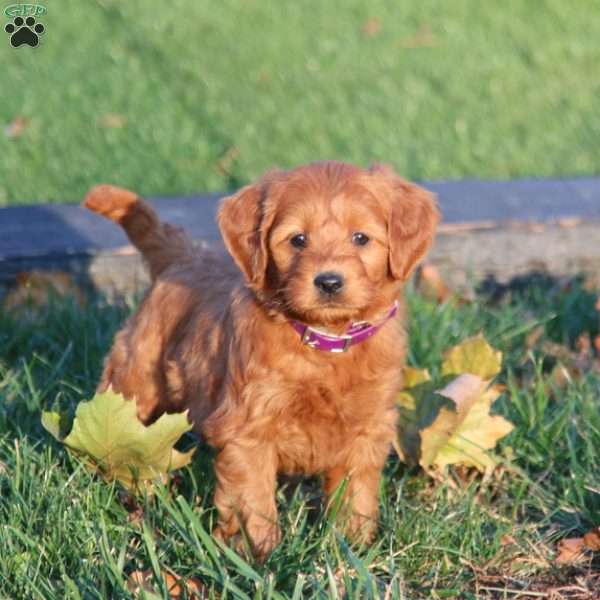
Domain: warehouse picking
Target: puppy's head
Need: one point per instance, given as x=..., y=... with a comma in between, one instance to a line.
x=328, y=242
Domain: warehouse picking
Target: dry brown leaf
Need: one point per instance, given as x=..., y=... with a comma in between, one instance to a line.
x=225, y=163
x=508, y=540
x=460, y=228
x=34, y=289
x=576, y=363
x=15, y=129
x=431, y=285
x=560, y=376
x=592, y=539
x=534, y=336
x=135, y=510
x=583, y=344
x=142, y=580
x=263, y=76
x=570, y=550
x=568, y=222
x=112, y=121
x=371, y=27
x=423, y=38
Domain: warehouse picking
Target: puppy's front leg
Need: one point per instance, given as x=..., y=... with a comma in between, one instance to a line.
x=362, y=472
x=245, y=495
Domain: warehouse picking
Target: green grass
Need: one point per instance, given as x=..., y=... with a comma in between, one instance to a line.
x=67, y=534
x=212, y=94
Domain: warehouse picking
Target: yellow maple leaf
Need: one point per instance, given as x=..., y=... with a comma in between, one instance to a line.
x=412, y=376
x=110, y=438
x=474, y=355
x=466, y=434
x=452, y=425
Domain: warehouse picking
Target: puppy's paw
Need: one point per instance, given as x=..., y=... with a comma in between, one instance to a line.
x=225, y=532
x=264, y=540
x=361, y=529
x=257, y=544
x=233, y=540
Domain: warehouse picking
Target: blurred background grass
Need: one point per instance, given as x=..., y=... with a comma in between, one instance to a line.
x=182, y=97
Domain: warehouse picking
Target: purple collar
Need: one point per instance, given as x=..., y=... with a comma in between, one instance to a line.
x=356, y=333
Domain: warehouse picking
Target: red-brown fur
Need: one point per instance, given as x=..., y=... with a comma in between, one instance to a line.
x=218, y=342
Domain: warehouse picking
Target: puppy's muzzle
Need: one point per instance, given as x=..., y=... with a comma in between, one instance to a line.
x=329, y=283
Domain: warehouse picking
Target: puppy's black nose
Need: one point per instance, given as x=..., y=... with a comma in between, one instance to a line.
x=329, y=283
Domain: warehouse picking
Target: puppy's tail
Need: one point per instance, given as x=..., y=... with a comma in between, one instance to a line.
x=160, y=244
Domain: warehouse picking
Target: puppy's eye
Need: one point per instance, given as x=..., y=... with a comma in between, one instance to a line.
x=360, y=239
x=298, y=241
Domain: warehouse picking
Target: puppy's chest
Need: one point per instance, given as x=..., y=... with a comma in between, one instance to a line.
x=320, y=421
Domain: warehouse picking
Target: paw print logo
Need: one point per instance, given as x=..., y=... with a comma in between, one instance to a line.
x=24, y=31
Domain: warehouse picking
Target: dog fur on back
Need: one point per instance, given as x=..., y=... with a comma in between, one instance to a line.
x=212, y=334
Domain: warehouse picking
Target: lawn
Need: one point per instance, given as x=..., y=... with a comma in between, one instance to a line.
x=181, y=97
x=67, y=534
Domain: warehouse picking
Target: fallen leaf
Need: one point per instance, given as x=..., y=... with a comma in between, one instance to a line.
x=534, y=336
x=136, y=517
x=135, y=511
x=577, y=364
x=560, y=376
x=56, y=423
x=448, y=421
x=413, y=377
x=33, y=291
x=423, y=38
x=418, y=407
x=15, y=129
x=508, y=540
x=112, y=121
x=465, y=435
x=431, y=285
x=468, y=227
x=474, y=356
x=108, y=435
x=371, y=27
x=591, y=539
x=225, y=163
x=263, y=76
x=568, y=222
x=570, y=550
x=583, y=344
x=142, y=581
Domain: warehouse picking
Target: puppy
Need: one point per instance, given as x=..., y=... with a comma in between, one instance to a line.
x=289, y=356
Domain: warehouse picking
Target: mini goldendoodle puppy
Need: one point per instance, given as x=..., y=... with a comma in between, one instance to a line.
x=289, y=356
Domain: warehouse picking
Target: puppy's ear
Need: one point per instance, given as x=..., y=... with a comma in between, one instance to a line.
x=244, y=220
x=411, y=224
